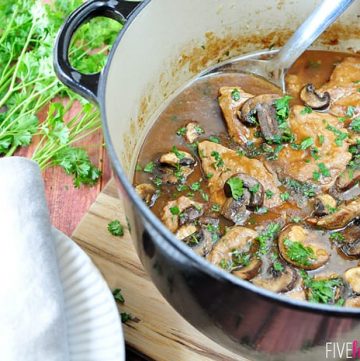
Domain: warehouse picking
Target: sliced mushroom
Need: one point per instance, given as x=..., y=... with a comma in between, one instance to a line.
x=193, y=131
x=352, y=277
x=190, y=214
x=235, y=210
x=268, y=122
x=324, y=204
x=277, y=281
x=180, y=158
x=351, y=246
x=173, y=210
x=314, y=100
x=352, y=302
x=239, y=239
x=248, y=114
x=302, y=248
x=253, y=186
x=348, y=179
x=170, y=175
x=343, y=216
x=147, y=193
x=186, y=231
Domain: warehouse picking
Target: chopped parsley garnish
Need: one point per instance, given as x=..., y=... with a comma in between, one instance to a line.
x=214, y=139
x=282, y=108
x=337, y=237
x=350, y=111
x=298, y=253
x=255, y=188
x=321, y=291
x=284, y=196
x=209, y=175
x=157, y=181
x=149, y=168
x=182, y=187
x=118, y=296
x=306, y=143
x=267, y=236
x=116, y=228
x=323, y=171
x=181, y=131
x=278, y=266
x=269, y=193
x=235, y=95
x=236, y=187
x=138, y=168
x=218, y=160
x=304, y=189
x=340, y=136
x=175, y=210
x=125, y=317
x=199, y=130
x=195, y=186
x=306, y=110
x=179, y=155
x=321, y=139
x=355, y=125
x=240, y=258
x=204, y=195
x=296, y=219
x=215, y=207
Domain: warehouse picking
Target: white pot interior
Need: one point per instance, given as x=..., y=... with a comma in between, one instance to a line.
x=170, y=41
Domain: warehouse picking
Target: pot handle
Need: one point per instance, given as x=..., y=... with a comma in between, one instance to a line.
x=85, y=84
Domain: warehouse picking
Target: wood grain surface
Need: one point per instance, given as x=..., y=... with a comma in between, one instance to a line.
x=157, y=331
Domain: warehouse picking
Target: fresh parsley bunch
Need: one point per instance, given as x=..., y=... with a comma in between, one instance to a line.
x=28, y=84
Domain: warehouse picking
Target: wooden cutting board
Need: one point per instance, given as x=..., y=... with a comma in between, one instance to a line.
x=157, y=331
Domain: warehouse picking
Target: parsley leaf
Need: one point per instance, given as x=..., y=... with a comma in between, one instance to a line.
x=118, y=296
x=116, y=228
x=298, y=253
x=235, y=95
x=236, y=187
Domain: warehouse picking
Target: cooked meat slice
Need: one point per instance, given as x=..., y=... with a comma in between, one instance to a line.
x=177, y=157
x=314, y=99
x=351, y=243
x=324, y=204
x=348, y=179
x=220, y=163
x=193, y=131
x=302, y=248
x=174, y=209
x=277, y=281
x=345, y=213
x=235, y=252
x=147, y=193
x=352, y=277
x=299, y=164
x=343, y=87
x=352, y=302
x=230, y=105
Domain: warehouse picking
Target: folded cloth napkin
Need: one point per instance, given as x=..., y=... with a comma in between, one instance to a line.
x=32, y=321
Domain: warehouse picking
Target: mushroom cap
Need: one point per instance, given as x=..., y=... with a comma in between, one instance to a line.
x=313, y=99
x=147, y=192
x=352, y=277
x=248, y=111
x=241, y=239
x=323, y=205
x=277, y=281
x=181, y=158
x=315, y=257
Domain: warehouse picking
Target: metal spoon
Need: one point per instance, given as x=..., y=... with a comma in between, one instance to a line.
x=275, y=68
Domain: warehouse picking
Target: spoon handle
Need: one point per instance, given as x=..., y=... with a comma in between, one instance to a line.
x=320, y=19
